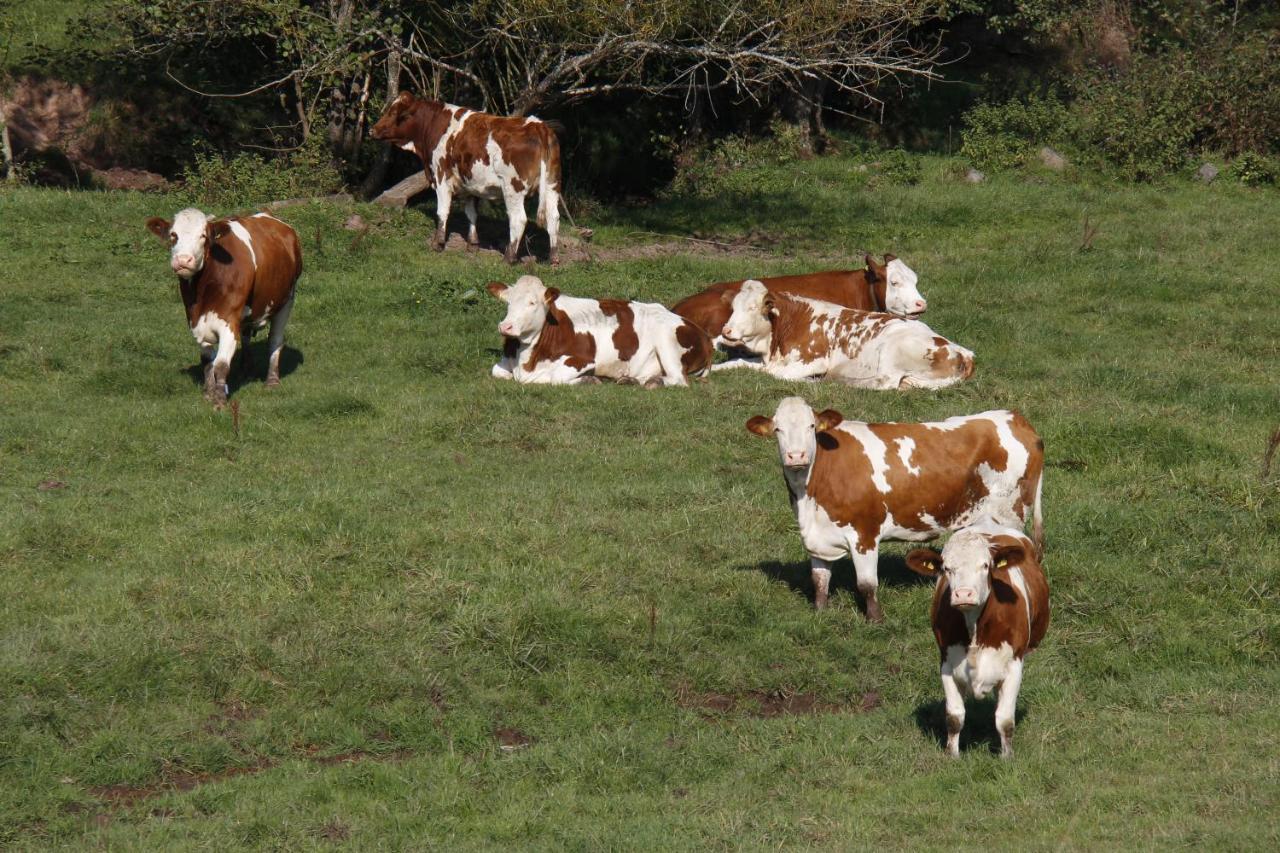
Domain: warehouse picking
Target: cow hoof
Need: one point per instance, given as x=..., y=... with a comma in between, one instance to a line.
x=628, y=380
x=555, y=259
x=654, y=383
x=273, y=382
x=589, y=380
x=874, y=614
x=819, y=602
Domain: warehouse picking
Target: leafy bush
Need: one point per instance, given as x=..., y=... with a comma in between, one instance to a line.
x=899, y=167
x=716, y=169
x=1253, y=170
x=249, y=179
x=1004, y=136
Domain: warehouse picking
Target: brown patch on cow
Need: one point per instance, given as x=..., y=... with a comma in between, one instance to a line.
x=699, y=352
x=793, y=330
x=517, y=184
x=509, y=739
x=850, y=288
x=766, y=704
x=947, y=361
x=625, y=339
x=559, y=339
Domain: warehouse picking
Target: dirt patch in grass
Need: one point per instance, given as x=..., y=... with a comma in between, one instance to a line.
x=510, y=739
x=767, y=704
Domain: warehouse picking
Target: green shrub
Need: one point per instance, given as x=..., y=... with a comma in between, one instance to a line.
x=899, y=167
x=1253, y=170
x=730, y=164
x=1005, y=136
x=249, y=179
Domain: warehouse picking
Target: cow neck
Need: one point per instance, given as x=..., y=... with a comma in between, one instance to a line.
x=558, y=338
x=433, y=130
x=797, y=480
x=878, y=297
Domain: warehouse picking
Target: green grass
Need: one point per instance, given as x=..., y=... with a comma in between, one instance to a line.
x=398, y=558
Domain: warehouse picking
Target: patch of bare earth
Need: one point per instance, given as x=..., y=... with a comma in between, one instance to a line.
x=767, y=704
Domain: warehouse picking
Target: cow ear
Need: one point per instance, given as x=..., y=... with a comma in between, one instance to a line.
x=1008, y=555
x=888, y=259
x=770, y=306
x=159, y=227
x=872, y=272
x=551, y=295
x=761, y=426
x=828, y=419
x=924, y=561
x=218, y=230
x=498, y=289
x=727, y=296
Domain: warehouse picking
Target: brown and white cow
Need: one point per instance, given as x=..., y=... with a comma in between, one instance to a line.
x=475, y=155
x=800, y=338
x=990, y=607
x=231, y=272
x=889, y=287
x=551, y=338
x=853, y=484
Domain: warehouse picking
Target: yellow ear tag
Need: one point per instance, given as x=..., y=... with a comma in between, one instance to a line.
x=1002, y=564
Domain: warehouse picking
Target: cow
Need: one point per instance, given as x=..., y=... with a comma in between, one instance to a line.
x=550, y=338
x=232, y=272
x=990, y=607
x=801, y=338
x=853, y=484
x=888, y=287
x=473, y=155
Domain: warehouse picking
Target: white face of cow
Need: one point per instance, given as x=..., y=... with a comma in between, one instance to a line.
x=749, y=325
x=900, y=294
x=796, y=427
x=967, y=561
x=189, y=236
x=527, y=301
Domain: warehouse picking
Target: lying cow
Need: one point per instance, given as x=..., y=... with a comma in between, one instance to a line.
x=555, y=339
x=853, y=484
x=476, y=155
x=800, y=338
x=990, y=607
x=890, y=288
x=232, y=272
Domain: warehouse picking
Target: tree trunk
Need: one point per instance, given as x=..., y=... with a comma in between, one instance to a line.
x=345, y=90
x=378, y=174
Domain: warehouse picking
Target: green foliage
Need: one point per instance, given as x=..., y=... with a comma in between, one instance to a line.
x=1253, y=170
x=899, y=168
x=248, y=179
x=1005, y=136
x=731, y=164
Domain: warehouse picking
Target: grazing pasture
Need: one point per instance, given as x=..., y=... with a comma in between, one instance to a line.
x=396, y=602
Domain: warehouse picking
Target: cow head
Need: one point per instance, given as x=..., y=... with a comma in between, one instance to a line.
x=969, y=561
x=190, y=237
x=901, y=296
x=750, y=326
x=796, y=427
x=528, y=301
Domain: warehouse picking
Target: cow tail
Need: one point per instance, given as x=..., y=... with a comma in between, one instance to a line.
x=1037, y=518
x=548, y=175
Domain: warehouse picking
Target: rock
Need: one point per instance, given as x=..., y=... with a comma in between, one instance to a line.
x=1052, y=159
x=1207, y=173
x=469, y=295
x=973, y=176
x=355, y=222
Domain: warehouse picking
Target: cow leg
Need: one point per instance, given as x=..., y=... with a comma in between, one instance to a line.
x=866, y=567
x=517, y=219
x=954, y=698
x=552, y=213
x=275, y=342
x=473, y=236
x=672, y=365
x=1006, y=705
x=228, y=338
x=206, y=361
x=444, y=202
x=820, y=572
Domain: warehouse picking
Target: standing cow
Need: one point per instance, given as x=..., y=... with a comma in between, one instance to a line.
x=231, y=272
x=475, y=155
x=799, y=338
x=853, y=484
x=551, y=338
x=990, y=607
x=889, y=287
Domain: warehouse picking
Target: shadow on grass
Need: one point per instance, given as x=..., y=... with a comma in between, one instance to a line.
x=250, y=365
x=893, y=572
x=979, y=724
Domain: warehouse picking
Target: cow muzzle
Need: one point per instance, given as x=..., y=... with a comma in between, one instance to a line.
x=964, y=598
x=795, y=458
x=507, y=329
x=183, y=265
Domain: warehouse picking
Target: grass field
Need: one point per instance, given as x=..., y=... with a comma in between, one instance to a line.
x=409, y=606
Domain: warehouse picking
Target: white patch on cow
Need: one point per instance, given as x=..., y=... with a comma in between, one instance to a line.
x=1005, y=481
x=263, y=216
x=987, y=667
x=821, y=536
x=1015, y=575
x=212, y=331
x=409, y=146
x=876, y=451
x=905, y=448
x=243, y=234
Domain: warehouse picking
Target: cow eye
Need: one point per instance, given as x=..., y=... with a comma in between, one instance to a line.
x=173, y=238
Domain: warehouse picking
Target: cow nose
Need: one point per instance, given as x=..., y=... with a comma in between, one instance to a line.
x=921, y=305
x=964, y=597
x=183, y=262
x=505, y=328
x=797, y=457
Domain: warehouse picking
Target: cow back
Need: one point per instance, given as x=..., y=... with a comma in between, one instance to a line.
x=712, y=307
